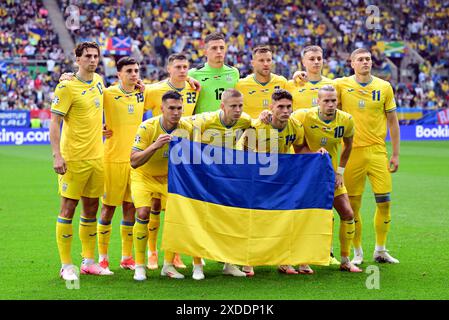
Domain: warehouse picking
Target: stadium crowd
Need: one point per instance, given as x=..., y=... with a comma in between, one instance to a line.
x=159, y=28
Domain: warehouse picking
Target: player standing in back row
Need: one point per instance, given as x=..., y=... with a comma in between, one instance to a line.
x=370, y=100
x=214, y=76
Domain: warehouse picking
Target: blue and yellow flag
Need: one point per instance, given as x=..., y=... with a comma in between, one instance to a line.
x=248, y=208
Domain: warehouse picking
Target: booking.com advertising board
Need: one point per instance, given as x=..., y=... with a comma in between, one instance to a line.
x=26, y=136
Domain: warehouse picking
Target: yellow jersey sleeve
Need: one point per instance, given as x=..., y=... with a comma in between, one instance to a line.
x=62, y=100
x=142, y=138
x=390, y=103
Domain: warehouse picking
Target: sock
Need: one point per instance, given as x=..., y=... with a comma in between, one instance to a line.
x=332, y=241
x=356, y=202
x=153, y=228
x=64, y=235
x=197, y=261
x=140, y=235
x=347, y=230
x=126, y=231
x=88, y=261
x=380, y=248
x=345, y=259
x=382, y=220
x=88, y=236
x=104, y=230
x=168, y=257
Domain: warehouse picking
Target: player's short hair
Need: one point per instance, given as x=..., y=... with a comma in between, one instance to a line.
x=171, y=94
x=230, y=93
x=126, y=61
x=281, y=94
x=310, y=49
x=358, y=51
x=177, y=56
x=327, y=88
x=261, y=49
x=79, y=49
x=214, y=36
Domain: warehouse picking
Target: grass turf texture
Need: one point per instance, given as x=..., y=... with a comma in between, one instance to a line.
x=29, y=261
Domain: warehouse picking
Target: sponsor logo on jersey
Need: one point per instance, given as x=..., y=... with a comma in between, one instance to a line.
x=314, y=127
x=301, y=90
x=55, y=100
x=252, y=92
x=351, y=90
x=137, y=139
x=83, y=93
x=204, y=79
x=118, y=97
x=326, y=129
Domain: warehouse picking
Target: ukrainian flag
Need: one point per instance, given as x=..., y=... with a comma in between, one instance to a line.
x=229, y=212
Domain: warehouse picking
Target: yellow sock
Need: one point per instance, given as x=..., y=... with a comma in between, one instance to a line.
x=88, y=237
x=104, y=237
x=153, y=228
x=382, y=220
x=347, y=230
x=168, y=257
x=356, y=202
x=64, y=235
x=126, y=231
x=140, y=234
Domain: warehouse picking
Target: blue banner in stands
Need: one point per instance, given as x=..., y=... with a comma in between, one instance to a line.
x=15, y=118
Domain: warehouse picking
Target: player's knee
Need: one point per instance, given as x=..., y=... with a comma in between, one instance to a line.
x=129, y=212
x=107, y=212
x=68, y=207
x=143, y=213
x=155, y=205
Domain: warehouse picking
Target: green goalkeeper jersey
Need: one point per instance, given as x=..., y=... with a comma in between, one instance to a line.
x=213, y=82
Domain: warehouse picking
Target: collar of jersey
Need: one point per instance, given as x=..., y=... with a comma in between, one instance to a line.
x=279, y=130
x=123, y=90
x=163, y=129
x=264, y=83
x=83, y=81
x=363, y=84
x=216, y=70
x=173, y=87
x=325, y=121
x=219, y=117
x=315, y=82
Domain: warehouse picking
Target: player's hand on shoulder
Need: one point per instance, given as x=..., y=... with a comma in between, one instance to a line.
x=162, y=140
x=265, y=116
x=195, y=84
x=66, y=76
x=140, y=85
x=107, y=133
x=300, y=78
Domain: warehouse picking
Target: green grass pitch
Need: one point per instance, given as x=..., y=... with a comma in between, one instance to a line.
x=29, y=263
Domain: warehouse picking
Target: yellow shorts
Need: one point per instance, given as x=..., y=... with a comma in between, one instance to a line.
x=82, y=179
x=143, y=189
x=369, y=161
x=340, y=190
x=117, y=183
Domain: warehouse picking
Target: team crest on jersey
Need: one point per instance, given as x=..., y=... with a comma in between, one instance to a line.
x=323, y=142
x=55, y=100
x=228, y=78
x=265, y=103
x=362, y=104
x=130, y=108
x=314, y=102
x=97, y=103
x=165, y=154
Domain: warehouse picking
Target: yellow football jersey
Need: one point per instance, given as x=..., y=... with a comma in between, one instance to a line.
x=306, y=96
x=147, y=133
x=257, y=96
x=368, y=105
x=123, y=113
x=208, y=128
x=81, y=105
x=325, y=134
x=263, y=137
x=154, y=93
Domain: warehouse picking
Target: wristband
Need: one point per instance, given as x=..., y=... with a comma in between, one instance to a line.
x=340, y=170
